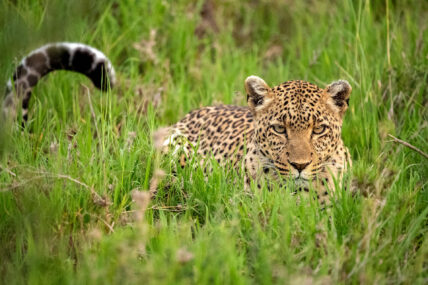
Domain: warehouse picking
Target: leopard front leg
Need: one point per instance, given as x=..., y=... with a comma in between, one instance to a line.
x=331, y=181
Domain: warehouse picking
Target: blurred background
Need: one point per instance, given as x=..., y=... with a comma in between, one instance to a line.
x=199, y=52
x=175, y=56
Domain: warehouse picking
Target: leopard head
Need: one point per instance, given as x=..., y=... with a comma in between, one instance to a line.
x=298, y=127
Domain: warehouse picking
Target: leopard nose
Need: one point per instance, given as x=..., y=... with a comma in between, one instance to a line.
x=299, y=166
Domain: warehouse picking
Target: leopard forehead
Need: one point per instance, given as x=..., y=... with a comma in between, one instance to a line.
x=299, y=103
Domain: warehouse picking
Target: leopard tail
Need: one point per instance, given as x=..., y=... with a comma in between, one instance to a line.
x=76, y=57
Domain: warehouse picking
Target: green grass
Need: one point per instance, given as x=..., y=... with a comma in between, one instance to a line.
x=204, y=228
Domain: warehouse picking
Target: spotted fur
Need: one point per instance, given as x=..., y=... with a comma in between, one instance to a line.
x=292, y=130
x=67, y=56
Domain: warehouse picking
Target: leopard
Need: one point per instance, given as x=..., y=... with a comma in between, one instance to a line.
x=289, y=132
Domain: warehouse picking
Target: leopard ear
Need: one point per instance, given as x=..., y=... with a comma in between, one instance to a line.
x=258, y=93
x=337, y=96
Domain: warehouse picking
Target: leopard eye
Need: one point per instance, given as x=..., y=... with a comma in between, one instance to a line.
x=278, y=129
x=319, y=130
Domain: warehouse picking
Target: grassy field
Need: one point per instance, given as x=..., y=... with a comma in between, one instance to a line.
x=66, y=211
